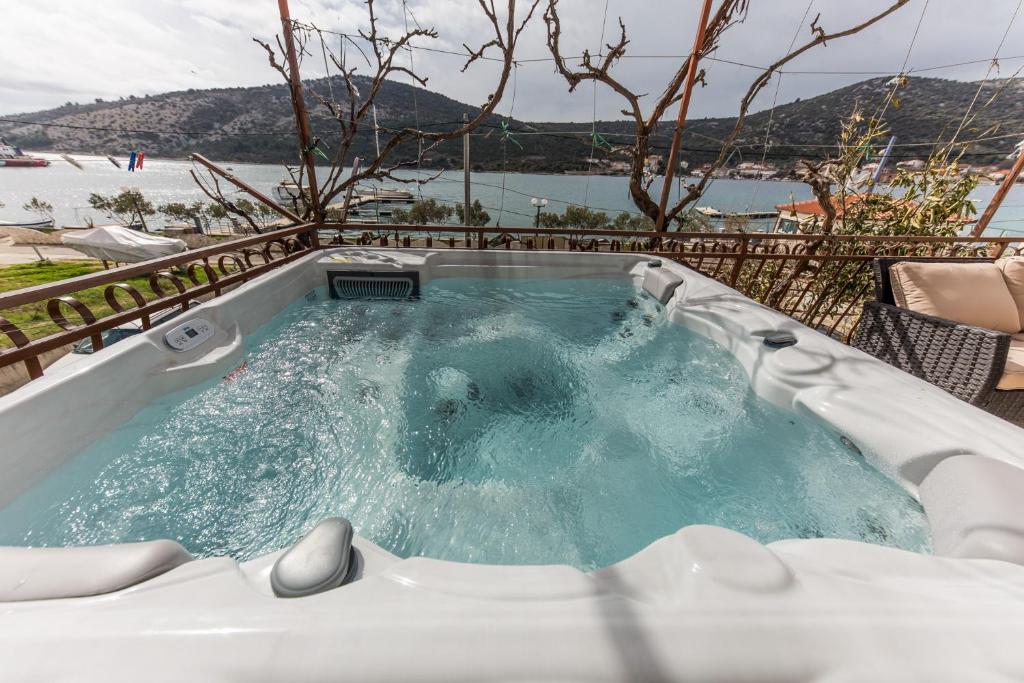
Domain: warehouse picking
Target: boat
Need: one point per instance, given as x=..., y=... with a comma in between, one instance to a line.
x=368, y=204
x=709, y=211
x=12, y=156
x=122, y=245
x=46, y=224
x=385, y=197
x=376, y=203
x=288, y=191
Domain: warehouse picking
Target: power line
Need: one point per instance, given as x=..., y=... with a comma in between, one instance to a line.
x=188, y=133
x=576, y=136
x=567, y=202
x=533, y=131
x=519, y=132
x=139, y=131
x=993, y=64
x=540, y=60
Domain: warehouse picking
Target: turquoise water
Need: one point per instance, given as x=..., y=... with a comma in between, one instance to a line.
x=491, y=421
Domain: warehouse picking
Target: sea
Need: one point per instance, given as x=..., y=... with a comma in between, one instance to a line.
x=506, y=197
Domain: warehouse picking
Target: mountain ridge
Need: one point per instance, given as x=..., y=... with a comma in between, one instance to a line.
x=255, y=124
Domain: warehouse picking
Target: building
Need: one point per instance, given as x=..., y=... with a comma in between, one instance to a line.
x=749, y=169
x=654, y=164
x=805, y=216
x=912, y=165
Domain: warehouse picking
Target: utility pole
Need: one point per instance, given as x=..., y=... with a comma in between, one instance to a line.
x=684, y=104
x=466, y=219
x=348, y=194
x=301, y=118
x=1001, y=193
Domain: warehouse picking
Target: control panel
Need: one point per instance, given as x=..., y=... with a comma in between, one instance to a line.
x=189, y=335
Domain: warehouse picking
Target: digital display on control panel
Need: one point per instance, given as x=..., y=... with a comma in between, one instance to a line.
x=189, y=335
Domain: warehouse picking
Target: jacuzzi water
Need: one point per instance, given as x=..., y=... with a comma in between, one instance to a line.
x=498, y=421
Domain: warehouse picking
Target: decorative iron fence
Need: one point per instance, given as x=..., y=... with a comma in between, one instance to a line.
x=173, y=282
x=822, y=281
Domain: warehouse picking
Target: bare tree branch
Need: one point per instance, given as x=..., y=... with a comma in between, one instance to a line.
x=353, y=114
x=212, y=190
x=729, y=13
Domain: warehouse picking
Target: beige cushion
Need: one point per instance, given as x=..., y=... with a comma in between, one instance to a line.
x=1013, y=275
x=1013, y=371
x=968, y=293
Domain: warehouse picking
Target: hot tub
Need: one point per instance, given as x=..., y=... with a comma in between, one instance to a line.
x=559, y=466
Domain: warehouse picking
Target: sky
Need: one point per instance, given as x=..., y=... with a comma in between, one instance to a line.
x=56, y=51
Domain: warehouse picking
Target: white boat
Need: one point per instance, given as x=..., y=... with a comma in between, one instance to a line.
x=11, y=156
x=368, y=204
x=122, y=245
x=45, y=224
x=288, y=191
x=375, y=203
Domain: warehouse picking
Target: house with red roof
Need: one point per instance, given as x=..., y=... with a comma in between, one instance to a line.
x=806, y=215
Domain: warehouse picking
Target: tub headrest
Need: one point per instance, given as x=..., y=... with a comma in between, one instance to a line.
x=49, y=573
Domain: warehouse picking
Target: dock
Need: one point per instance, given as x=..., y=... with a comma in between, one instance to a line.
x=712, y=212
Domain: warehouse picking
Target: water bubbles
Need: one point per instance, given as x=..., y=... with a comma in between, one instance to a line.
x=496, y=421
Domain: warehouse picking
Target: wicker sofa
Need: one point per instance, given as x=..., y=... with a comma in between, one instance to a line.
x=966, y=361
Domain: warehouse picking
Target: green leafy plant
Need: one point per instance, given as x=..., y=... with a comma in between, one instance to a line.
x=184, y=213
x=125, y=207
x=933, y=200
x=632, y=222
x=39, y=207
x=477, y=214
x=422, y=212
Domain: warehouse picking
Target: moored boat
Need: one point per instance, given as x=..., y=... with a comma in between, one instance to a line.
x=12, y=156
x=46, y=224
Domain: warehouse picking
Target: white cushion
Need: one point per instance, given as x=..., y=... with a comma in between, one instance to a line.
x=47, y=573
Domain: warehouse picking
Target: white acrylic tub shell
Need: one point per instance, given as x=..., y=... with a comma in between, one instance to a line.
x=705, y=604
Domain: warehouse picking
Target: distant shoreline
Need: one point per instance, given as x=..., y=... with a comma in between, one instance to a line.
x=93, y=157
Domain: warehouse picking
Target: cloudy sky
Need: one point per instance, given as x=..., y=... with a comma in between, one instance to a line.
x=57, y=51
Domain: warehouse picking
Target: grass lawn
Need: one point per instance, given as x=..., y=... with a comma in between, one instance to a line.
x=33, y=320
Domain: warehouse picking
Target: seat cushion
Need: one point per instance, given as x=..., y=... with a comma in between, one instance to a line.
x=1013, y=275
x=1013, y=371
x=969, y=293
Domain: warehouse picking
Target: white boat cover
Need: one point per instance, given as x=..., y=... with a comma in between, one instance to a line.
x=117, y=243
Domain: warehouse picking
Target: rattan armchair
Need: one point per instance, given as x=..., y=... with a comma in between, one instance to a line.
x=966, y=361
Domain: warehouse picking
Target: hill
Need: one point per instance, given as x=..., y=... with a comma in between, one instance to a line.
x=255, y=124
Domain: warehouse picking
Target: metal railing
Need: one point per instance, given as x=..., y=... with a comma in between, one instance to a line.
x=821, y=281
x=173, y=281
